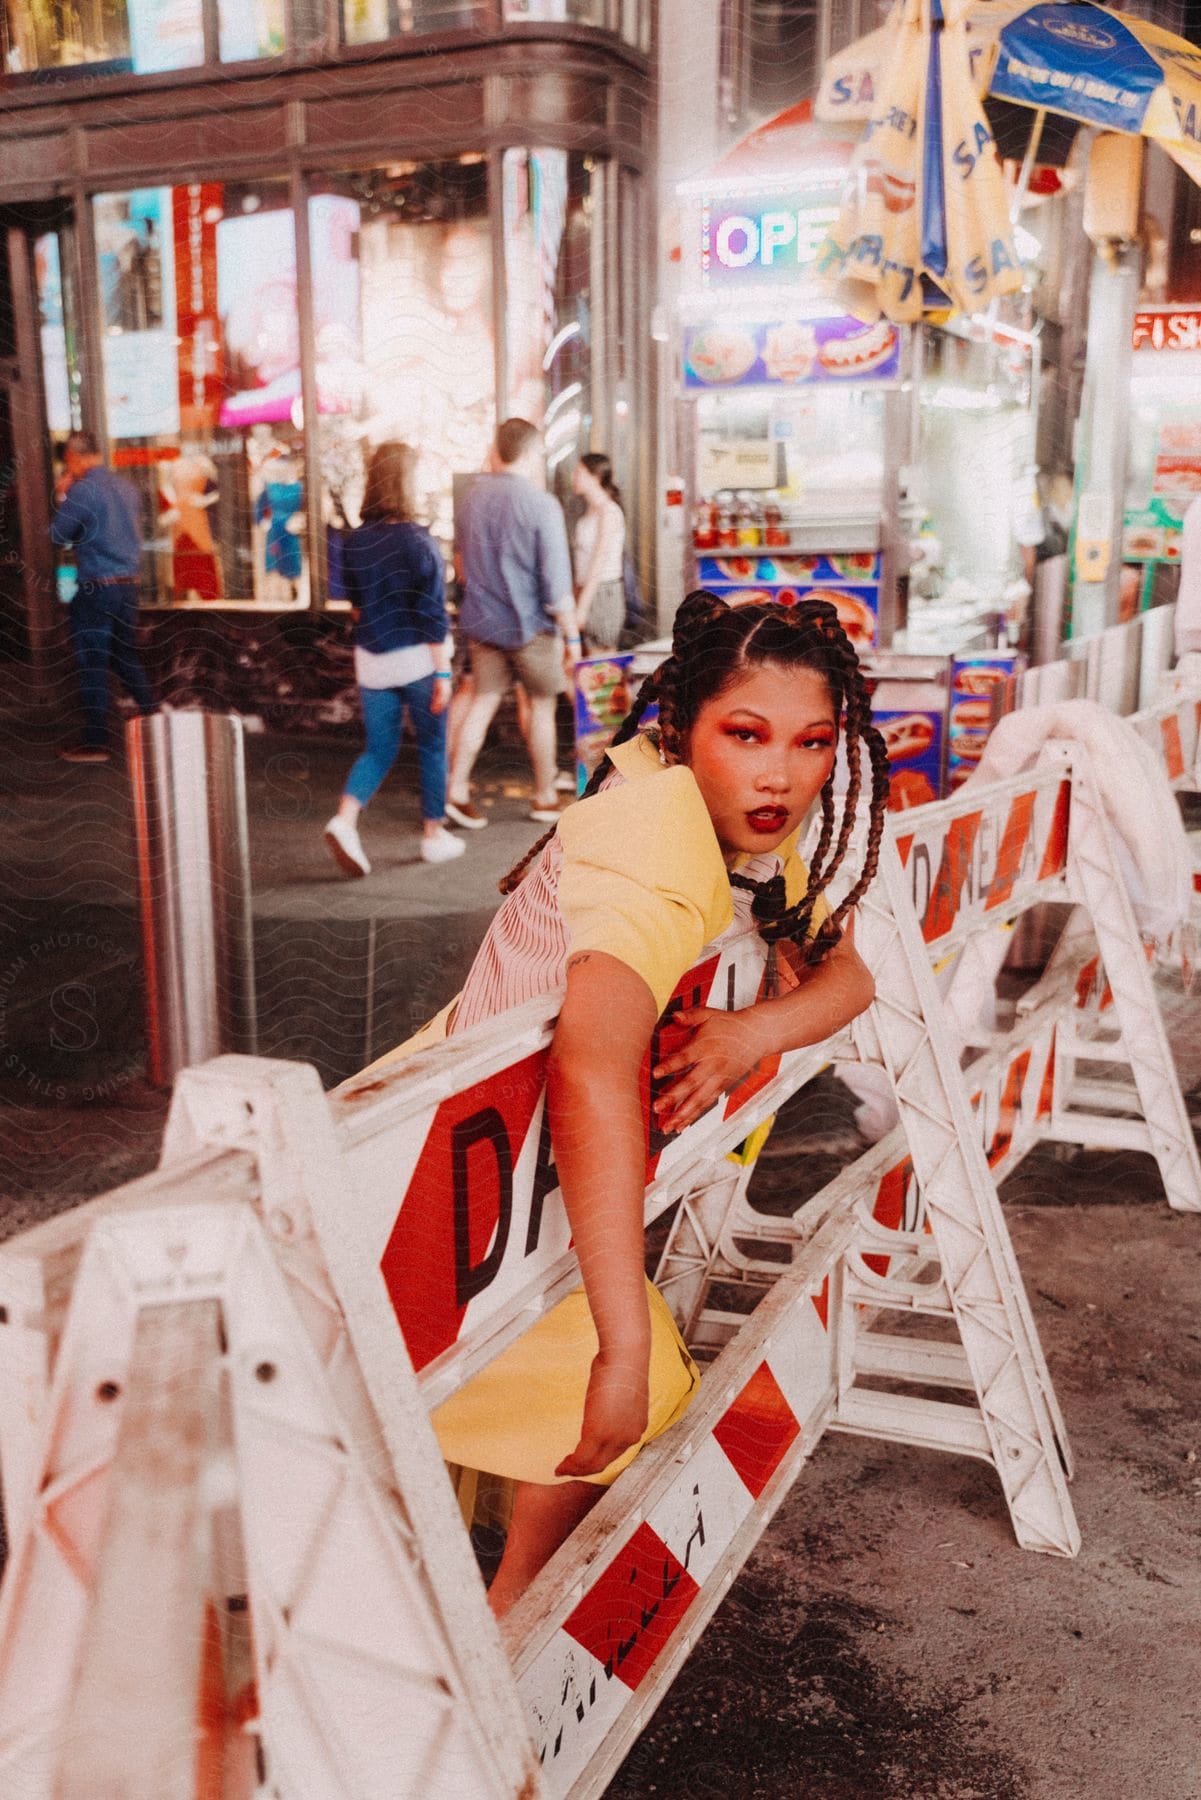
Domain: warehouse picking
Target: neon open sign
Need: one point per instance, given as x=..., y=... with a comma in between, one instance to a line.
x=773, y=241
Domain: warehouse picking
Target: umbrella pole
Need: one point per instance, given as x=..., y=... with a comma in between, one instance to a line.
x=1019, y=194
x=1027, y=169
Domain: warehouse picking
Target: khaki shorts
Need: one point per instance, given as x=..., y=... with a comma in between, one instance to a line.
x=538, y=666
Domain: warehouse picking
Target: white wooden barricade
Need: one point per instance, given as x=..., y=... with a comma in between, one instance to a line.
x=366, y=1252
x=974, y=864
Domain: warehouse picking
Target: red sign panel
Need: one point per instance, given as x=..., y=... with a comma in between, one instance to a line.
x=631, y=1613
x=450, y=1237
x=757, y=1429
x=196, y=210
x=1168, y=328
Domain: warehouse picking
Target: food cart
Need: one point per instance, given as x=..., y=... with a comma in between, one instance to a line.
x=798, y=432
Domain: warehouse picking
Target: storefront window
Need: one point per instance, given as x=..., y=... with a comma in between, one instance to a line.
x=202, y=384
x=251, y=29
x=558, y=12
x=367, y=21
x=636, y=24
x=140, y=37
x=548, y=289
x=403, y=317
x=60, y=367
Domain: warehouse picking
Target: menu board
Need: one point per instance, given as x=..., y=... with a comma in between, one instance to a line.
x=974, y=680
x=602, y=699
x=1152, y=533
x=790, y=353
x=1178, y=458
x=850, y=582
x=911, y=716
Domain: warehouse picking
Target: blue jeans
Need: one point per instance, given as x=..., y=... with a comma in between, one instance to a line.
x=104, y=622
x=383, y=719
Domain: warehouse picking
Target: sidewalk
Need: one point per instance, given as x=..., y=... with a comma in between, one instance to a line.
x=344, y=969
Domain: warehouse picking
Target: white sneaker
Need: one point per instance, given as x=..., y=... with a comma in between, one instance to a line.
x=443, y=848
x=345, y=848
x=565, y=782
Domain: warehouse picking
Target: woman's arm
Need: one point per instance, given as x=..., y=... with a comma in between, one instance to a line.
x=599, y=1137
x=429, y=591
x=726, y=1045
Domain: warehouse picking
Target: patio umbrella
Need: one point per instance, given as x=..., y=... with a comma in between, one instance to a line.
x=925, y=223
x=1069, y=59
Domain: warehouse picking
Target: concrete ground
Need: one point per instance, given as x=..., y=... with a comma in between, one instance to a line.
x=887, y=1641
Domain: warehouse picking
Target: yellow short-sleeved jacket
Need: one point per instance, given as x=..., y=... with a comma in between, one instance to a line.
x=635, y=871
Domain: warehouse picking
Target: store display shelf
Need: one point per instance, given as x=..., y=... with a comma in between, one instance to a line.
x=828, y=534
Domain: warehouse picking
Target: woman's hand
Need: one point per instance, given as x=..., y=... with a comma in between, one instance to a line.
x=616, y=1410
x=440, y=698
x=722, y=1047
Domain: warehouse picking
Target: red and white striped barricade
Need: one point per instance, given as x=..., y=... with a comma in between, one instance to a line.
x=414, y=1228
x=972, y=865
x=1173, y=730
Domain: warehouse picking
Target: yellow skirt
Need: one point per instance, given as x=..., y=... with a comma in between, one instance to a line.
x=522, y=1414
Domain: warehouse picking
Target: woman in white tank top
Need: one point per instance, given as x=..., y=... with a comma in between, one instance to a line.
x=599, y=553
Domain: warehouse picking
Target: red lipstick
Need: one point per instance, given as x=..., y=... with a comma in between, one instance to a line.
x=768, y=819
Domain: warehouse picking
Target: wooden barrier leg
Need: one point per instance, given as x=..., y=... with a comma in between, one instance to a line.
x=138, y=1686
x=279, y=1113
x=979, y=1268
x=359, y=1690
x=1093, y=873
x=37, y=1273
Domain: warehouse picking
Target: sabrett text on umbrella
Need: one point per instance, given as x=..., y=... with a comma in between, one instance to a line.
x=968, y=151
x=895, y=119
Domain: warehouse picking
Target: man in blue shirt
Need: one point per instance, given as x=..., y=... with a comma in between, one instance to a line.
x=97, y=516
x=517, y=598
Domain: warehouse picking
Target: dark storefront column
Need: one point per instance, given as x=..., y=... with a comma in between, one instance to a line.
x=27, y=508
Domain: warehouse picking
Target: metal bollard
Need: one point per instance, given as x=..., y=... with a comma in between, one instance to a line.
x=189, y=785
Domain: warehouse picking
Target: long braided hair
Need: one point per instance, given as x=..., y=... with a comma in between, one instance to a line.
x=714, y=646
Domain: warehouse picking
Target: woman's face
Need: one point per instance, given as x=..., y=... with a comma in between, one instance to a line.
x=584, y=483
x=761, y=752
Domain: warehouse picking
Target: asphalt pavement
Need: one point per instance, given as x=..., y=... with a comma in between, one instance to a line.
x=887, y=1640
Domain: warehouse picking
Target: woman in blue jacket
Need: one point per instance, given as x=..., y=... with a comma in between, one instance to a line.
x=393, y=576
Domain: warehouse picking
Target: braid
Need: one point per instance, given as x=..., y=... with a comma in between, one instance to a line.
x=844, y=683
x=878, y=756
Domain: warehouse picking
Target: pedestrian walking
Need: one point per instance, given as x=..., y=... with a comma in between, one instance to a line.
x=517, y=600
x=394, y=579
x=599, y=554
x=98, y=516
x=684, y=843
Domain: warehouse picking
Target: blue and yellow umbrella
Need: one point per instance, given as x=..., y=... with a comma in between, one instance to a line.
x=1068, y=57
x=925, y=223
